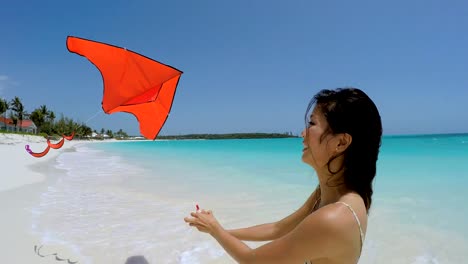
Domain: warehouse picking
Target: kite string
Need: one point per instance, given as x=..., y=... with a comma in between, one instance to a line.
x=96, y=114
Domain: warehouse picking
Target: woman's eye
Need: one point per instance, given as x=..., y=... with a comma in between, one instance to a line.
x=311, y=123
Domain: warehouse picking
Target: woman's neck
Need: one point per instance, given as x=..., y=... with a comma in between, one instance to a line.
x=332, y=188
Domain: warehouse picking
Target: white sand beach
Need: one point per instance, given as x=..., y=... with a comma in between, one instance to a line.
x=17, y=163
x=22, y=179
x=92, y=204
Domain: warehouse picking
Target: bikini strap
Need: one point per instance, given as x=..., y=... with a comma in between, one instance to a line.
x=357, y=220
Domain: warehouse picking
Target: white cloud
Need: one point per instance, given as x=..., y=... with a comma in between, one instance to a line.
x=3, y=77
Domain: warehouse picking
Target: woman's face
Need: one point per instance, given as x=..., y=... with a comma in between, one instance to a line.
x=317, y=148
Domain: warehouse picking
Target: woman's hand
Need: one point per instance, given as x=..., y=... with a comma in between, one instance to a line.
x=204, y=221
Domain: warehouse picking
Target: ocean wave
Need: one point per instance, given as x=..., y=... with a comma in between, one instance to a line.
x=110, y=208
x=194, y=254
x=91, y=209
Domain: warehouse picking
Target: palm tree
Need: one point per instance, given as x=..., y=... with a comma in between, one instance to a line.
x=51, y=116
x=4, y=106
x=70, y=126
x=109, y=133
x=119, y=133
x=59, y=127
x=38, y=118
x=14, y=119
x=17, y=106
x=43, y=109
x=47, y=113
x=86, y=130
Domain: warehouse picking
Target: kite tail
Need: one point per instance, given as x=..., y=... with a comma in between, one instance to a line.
x=70, y=137
x=57, y=145
x=37, y=154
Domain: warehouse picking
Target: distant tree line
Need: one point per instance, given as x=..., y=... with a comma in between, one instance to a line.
x=47, y=123
x=230, y=136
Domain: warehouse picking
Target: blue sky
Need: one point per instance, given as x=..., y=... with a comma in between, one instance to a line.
x=249, y=66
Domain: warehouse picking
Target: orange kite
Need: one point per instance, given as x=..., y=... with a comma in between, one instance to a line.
x=132, y=82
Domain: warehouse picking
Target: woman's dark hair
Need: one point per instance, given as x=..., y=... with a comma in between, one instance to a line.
x=351, y=111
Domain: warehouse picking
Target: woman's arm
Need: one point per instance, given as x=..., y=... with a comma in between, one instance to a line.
x=318, y=236
x=272, y=231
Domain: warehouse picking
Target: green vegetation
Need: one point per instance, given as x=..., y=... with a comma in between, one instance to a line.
x=48, y=126
x=230, y=136
x=46, y=123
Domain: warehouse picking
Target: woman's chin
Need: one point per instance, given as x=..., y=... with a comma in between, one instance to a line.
x=307, y=160
x=304, y=159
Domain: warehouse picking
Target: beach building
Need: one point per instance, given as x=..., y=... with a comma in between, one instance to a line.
x=96, y=135
x=26, y=125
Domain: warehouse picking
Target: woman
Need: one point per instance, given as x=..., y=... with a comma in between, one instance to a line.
x=341, y=142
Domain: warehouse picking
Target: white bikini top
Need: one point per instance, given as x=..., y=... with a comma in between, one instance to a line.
x=355, y=217
x=357, y=220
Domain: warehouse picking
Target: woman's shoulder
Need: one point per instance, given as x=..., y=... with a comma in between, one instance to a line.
x=354, y=204
x=333, y=217
x=333, y=231
x=340, y=220
x=349, y=211
x=327, y=231
x=343, y=215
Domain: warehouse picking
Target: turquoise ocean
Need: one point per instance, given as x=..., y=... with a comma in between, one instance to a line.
x=110, y=201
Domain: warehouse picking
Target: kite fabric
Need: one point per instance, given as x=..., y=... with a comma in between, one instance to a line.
x=70, y=137
x=49, y=146
x=132, y=83
x=37, y=154
x=57, y=145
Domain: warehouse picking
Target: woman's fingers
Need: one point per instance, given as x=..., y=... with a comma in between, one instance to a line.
x=199, y=226
x=194, y=221
x=190, y=219
x=199, y=219
x=194, y=214
x=203, y=211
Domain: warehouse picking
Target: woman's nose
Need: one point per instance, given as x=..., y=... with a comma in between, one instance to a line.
x=303, y=133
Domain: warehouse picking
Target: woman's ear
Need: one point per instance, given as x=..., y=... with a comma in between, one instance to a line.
x=345, y=140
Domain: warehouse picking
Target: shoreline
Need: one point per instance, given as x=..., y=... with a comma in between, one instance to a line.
x=129, y=211
x=18, y=167
x=24, y=178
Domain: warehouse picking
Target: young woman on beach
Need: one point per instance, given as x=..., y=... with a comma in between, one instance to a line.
x=341, y=143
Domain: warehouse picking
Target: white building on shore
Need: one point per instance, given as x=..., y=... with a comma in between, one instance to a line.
x=25, y=126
